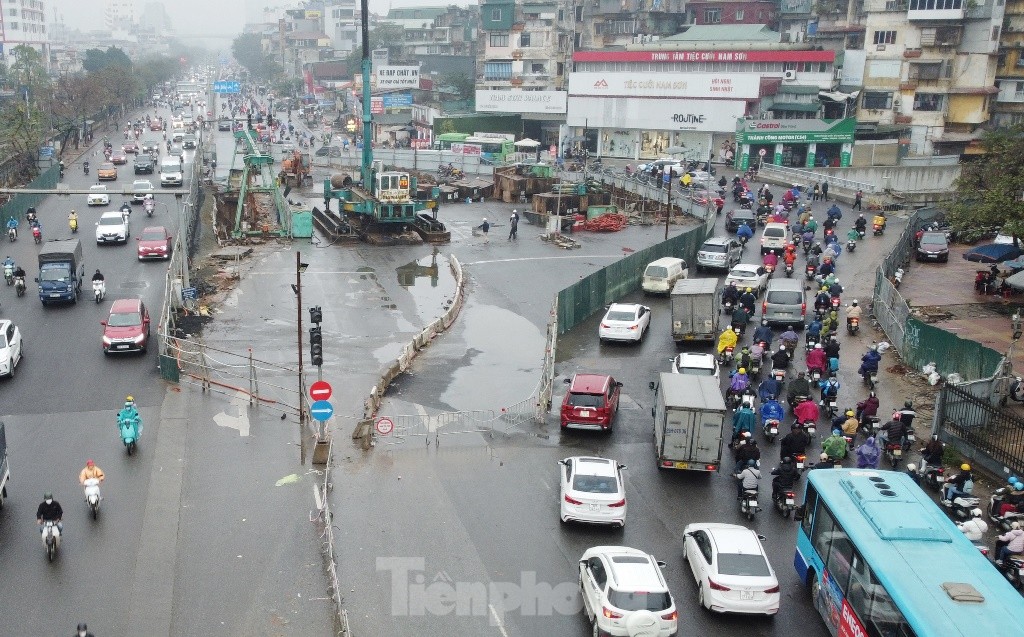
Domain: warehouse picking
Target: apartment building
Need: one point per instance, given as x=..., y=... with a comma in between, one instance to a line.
x=442, y=44
x=1008, y=108
x=710, y=12
x=24, y=22
x=341, y=26
x=607, y=23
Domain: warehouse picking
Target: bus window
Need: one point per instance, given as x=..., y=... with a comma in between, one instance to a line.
x=824, y=525
x=840, y=556
x=810, y=502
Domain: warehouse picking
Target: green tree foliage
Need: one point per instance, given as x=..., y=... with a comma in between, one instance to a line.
x=248, y=51
x=989, y=191
x=385, y=36
x=463, y=85
x=98, y=59
x=26, y=116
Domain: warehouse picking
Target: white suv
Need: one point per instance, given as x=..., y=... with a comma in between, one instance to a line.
x=624, y=593
x=113, y=228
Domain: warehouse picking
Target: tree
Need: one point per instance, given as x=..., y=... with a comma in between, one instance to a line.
x=26, y=117
x=248, y=51
x=461, y=83
x=97, y=59
x=385, y=36
x=989, y=191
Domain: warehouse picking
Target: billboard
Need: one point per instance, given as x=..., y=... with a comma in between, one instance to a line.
x=389, y=77
x=654, y=84
x=651, y=114
x=521, y=101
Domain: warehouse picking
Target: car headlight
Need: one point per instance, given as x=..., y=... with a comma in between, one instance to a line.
x=139, y=338
x=107, y=340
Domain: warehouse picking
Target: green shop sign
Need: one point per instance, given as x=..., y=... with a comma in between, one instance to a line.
x=796, y=131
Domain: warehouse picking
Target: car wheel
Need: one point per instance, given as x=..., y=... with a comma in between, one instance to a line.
x=597, y=630
x=700, y=596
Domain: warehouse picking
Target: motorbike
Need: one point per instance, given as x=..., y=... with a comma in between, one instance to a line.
x=770, y=269
x=809, y=272
x=851, y=245
x=37, y=234
x=12, y=234
x=130, y=429
x=870, y=378
x=92, y=495
x=897, y=278
x=800, y=461
x=831, y=406
x=836, y=302
x=19, y=285
x=961, y=506
x=73, y=224
x=812, y=340
x=789, y=270
x=150, y=206
x=852, y=325
x=934, y=477
x=748, y=397
x=1017, y=390
x=771, y=429
x=99, y=290
x=995, y=504
x=862, y=232
x=9, y=274
x=893, y=453
x=878, y=229
x=727, y=355
x=727, y=307
x=85, y=168
x=779, y=374
x=815, y=374
x=51, y=539
x=748, y=503
x=785, y=502
x=1013, y=570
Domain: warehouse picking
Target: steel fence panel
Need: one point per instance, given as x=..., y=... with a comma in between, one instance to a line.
x=924, y=344
x=988, y=435
x=20, y=202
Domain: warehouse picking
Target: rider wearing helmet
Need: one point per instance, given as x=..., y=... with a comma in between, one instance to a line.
x=958, y=484
x=816, y=359
x=975, y=528
x=49, y=510
x=786, y=475
x=764, y=333
x=747, y=479
x=83, y=631
x=771, y=260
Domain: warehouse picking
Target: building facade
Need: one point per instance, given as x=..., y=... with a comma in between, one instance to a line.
x=341, y=26
x=119, y=15
x=1009, y=102
x=24, y=22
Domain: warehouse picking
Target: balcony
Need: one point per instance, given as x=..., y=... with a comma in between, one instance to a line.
x=937, y=10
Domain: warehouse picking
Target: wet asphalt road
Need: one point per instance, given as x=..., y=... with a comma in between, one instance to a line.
x=457, y=511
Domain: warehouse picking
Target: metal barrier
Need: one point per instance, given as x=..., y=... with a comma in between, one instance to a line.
x=325, y=519
x=987, y=435
x=807, y=178
x=20, y=202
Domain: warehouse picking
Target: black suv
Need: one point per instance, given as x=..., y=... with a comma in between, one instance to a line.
x=144, y=165
x=734, y=218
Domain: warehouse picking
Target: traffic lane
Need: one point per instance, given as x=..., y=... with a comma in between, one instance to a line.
x=46, y=454
x=69, y=336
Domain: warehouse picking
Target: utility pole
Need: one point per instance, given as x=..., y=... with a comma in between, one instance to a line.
x=299, y=267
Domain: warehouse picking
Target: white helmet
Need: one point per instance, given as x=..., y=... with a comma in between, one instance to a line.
x=817, y=346
x=912, y=467
x=976, y=513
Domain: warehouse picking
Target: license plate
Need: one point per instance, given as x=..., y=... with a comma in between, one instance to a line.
x=785, y=314
x=1020, y=572
x=746, y=594
x=789, y=501
x=799, y=465
x=911, y=438
x=832, y=404
x=773, y=430
x=584, y=413
x=54, y=296
x=594, y=507
x=682, y=465
x=689, y=337
x=122, y=347
x=897, y=453
x=752, y=504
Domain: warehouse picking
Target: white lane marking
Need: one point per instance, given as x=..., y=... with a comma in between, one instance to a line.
x=497, y=620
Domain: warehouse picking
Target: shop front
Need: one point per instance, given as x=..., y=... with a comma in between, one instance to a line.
x=800, y=143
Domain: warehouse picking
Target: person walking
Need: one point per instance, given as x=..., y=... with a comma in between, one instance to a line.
x=857, y=198
x=824, y=190
x=484, y=228
x=513, y=222
x=817, y=191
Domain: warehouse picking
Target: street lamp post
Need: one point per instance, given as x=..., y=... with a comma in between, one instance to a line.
x=300, y=267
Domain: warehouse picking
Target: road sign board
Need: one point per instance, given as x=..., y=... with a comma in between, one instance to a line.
x=385, y=426
x=762, y=152
x=226, y=87
x=321, y=410
x=320, y=390
x=190, y=293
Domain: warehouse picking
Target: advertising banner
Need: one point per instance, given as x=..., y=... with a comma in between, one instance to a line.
x=652, y=84
x=520, y=101
x=389, y=77
x=655, y=114
x=397, y=100
x=778, y=131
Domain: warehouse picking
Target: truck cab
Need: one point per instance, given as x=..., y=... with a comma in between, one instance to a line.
x=61, y=271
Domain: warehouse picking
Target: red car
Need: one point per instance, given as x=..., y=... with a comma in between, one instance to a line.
x=156, y=125
x=130, y=147
x=127, y=327
x=155, y=243
x=591, y=402
x=118, y=157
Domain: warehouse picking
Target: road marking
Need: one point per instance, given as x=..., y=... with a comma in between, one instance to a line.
x=580, y=256
x=497, y=620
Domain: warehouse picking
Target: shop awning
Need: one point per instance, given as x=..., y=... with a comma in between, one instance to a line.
x=790, y=89
x=838, y=96
x=799, y=107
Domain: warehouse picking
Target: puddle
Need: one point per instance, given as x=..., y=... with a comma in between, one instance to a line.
x=429, y=284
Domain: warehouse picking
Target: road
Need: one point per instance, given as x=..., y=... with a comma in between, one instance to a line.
x=477, y=515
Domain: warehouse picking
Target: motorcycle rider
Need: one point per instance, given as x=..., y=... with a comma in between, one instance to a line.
x=83, y=631
x=813, y=330
x=834, y=289
x=931, y=453
x=799, y=386
x=90, y=471
x=741, y=316
x=811, y=225
x=49, y=510
x=816, y=359
x=829, y=388
x=739, y=382
x=975, y=528
x=764, y=333
x=854, y=311
x=780, y=359
x=768, y=389
x=743, y=420
x=790, y=338
x=19, y=273
x=795, y=442
x=869, y=362
x=771, y=260
x=860, y=224
x=744, y=360
x=744, y=232
x=731, y=294
x=12, y=224
x=747, y=301
x=756, y=355
x=772, y=409
x=878, y=220
x=726, y=339
x=868, y=454
x=1014, y=539
x=823, y=300
x=9, y=263
x=73, y=219
x=835, y=446
x=894, y=431
x=786, y=475
x=834, y=213
x=907, y=414
x=958, y=485
x=746, y=451
x=852, y=235
x=789, y=258
x=747, y=479
x=98, y=276
x=806, y=412
x=832, y=347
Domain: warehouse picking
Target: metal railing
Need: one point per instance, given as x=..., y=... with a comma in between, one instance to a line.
x=986, y=434
x=808, y=178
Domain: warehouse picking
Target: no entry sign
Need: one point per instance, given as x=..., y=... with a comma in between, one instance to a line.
x=320, y=390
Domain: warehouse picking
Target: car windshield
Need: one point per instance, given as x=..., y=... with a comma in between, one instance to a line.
x=783, y=297
x=639, y=600
x=752, y=565
x=586, y=400
x=712, y=247
x=106, y=166
x=52, y=273
x=658, y=271
x=742, y=273
x=127, y=319
x=3, y=341
x=620, y=315
x=933, y=241
x=697, y=371
x=112, y=221
x=153, y=235
x=774, y=232
x=595, y=484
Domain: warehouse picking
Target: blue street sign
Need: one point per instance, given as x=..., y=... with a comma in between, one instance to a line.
x=226, y=87
x=46, y=151
x=393, y=100
x=190, y=293
x=321, y=410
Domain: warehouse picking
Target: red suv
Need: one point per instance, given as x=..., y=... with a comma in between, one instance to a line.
x=591, y=402
x=127, y=327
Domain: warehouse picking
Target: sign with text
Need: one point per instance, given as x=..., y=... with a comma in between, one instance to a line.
x=226, y=87
x=466, y=149
x=728, y=85
x=776, y=131
x=389, y=77
x=376, y=105
x=653, y=114
x=704, y=56
x=397, y=100
x=521, y=101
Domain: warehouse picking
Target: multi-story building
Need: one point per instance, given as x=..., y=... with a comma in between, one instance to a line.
x=605, y=23
x=931, y=66
x=301, y=40
x=24, y=22
x=705, y=12
x=446, y=44
x=341, y=26
x=522, y=57
x=1009, y=104
x=154, y=18
x=119, y=15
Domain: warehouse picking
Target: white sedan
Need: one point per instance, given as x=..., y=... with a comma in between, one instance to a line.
x=695, y=364
x=98, y=196
x=11, y=349
x=730, y=568
x=748, y=275
x=625, y=322
x=592, y=491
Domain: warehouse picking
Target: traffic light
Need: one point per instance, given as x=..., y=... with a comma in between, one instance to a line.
x=316, y=346
x=316, y=315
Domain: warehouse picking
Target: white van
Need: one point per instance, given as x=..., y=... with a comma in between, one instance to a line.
x=170, y=172
x=660, y=276
x=774, y=237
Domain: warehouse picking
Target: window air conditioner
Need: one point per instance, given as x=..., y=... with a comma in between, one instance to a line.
x=789, y=74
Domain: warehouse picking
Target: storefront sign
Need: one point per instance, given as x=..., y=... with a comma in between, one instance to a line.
x=779, y=131
x=376, y=105
x=466, y=149
x=704, y=56
x=520, y=101
x=735, y=85
x=655, y=114
x=396, y=100
x=389, y=77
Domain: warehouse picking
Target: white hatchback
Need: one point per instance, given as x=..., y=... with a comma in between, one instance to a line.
x=748, y=275
x=98, y=196
x=113, y=228
x=592, y=491
x=625, y=322
x=730, y=568
x=624, y=593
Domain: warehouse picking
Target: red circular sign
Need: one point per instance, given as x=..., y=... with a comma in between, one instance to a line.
x=320, y=390
x=385, y=426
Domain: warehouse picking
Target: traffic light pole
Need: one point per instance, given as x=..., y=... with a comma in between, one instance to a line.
x=298, y=293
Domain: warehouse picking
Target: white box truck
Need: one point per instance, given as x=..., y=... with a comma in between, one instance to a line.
x=695, y=310
x=690, y=421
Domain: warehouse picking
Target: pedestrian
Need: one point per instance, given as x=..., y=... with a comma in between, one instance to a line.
x=857, y=198
x=484, y=228
x=817, y=191
x=824, y=190
x=513, y=226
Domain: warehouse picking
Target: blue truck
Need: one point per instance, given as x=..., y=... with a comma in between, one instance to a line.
x=61, y=271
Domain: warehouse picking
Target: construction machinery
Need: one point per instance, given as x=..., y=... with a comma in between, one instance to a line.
x=262, y=209
x=295, y=169
x=382, y=202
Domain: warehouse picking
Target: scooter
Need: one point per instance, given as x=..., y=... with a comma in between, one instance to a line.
x=73, y=224
x=727, y=355
x=771, y=429
x=130, y=430
x=99, y=290
x=1012, y=569
x=962, y=505
x=12, y=234
x=748, y=503
x=19, y=285
x=995, y=505
x=9, y=274
x=785, y=502
x=934, y=477
x=831, y=406
x=727, y=307
x=748, y=398
x=893, y=453
x=851, y=245
x=897, y=278
x=51, y=539
x=85, y=168
x=852, y=325
x=779, y=374
x=150, y=207
x=878, y=229
x=92, y=495
x=870, y=378
x=37, y=234
x=789, y=270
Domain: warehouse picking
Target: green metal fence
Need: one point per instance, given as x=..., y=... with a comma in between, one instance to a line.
x=579, y=301
x=924, y=343
x=21, y=202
